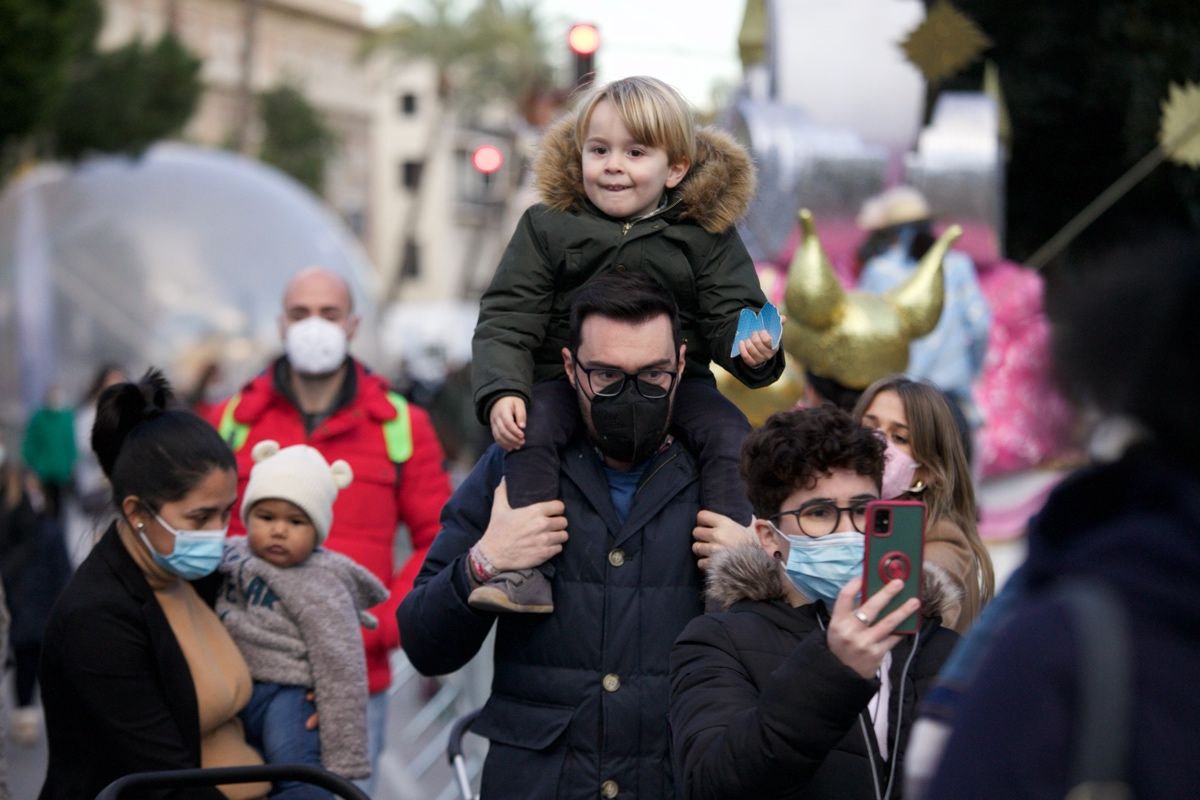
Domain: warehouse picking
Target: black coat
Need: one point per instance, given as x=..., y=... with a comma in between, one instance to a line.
x=762, y=709
x=579, y=697
x=1134, y=527
x=118, y=694
x=34, y=567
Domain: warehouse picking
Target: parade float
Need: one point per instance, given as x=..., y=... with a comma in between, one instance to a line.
x=833, y=110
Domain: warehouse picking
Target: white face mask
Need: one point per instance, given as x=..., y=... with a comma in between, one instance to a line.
x=315, y=346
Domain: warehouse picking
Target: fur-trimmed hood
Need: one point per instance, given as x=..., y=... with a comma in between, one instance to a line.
x=748, y=573
x=714, y=194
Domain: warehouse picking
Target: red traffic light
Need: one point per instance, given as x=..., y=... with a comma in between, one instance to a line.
x=584, y=39
x=487, y=158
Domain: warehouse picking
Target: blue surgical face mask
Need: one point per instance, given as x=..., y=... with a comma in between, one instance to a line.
x=820, y=567
x=196, y=553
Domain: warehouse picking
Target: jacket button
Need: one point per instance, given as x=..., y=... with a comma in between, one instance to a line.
x=609, y=789
x=611, y=682
x=616, y=557
x=620, y=267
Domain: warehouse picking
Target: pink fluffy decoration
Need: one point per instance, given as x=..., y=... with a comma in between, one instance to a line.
x=1027, y=421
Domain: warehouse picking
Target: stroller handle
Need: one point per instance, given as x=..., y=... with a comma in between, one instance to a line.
x=457, y=731
x=220, y=775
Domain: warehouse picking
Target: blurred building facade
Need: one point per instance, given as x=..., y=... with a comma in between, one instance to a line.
x=449, y=247
x=315, y=45
x=397, y=144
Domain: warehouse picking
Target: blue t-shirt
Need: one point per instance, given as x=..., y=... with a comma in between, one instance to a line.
x=621, y=487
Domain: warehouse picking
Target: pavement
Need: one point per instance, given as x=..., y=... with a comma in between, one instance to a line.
x=26, y=763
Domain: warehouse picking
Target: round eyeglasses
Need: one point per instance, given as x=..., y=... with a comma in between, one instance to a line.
x=652, y=384
x=821, y=517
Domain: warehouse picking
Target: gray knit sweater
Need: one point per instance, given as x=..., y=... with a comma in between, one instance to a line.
x=300, y=627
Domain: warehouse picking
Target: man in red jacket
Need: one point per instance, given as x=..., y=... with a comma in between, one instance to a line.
x=318, y=395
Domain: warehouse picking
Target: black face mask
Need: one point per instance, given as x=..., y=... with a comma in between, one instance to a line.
x=629, y=427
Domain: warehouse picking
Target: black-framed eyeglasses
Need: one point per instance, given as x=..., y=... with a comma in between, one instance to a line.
x=652, y=384
x=821, y=517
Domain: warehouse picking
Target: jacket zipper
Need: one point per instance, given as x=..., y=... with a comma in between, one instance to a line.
x=657, y=470
x=626, y=226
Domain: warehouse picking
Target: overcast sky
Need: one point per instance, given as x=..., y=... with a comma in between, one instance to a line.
x=668, y=39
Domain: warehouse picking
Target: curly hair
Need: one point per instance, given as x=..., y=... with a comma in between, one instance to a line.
x=795, y=449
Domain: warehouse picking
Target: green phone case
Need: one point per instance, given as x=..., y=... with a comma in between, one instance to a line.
x=895, y=545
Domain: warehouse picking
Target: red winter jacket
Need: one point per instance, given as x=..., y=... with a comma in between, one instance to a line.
x=381, y=497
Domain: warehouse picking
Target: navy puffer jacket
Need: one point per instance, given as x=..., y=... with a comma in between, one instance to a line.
x=579, y=697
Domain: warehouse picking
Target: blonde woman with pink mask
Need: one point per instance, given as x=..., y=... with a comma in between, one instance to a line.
x=925, y=461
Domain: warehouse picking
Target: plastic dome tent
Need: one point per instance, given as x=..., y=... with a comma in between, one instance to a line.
x=156, y=259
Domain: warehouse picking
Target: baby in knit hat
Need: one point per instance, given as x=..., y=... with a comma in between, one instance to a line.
x=294, y=610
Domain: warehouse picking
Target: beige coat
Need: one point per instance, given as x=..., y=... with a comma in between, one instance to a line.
x=946, y=549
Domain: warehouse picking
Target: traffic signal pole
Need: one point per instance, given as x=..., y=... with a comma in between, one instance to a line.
x=584, y=40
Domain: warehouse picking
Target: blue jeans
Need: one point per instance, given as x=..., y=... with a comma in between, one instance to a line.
x=274, y=720
x=377, y=714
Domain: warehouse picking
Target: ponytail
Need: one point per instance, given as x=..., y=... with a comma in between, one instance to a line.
x=149, y=447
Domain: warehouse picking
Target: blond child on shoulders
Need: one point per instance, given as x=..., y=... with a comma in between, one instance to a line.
x=628, y=183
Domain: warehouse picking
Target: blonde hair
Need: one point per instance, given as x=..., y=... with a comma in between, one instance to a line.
x=654, y=112
x=937, y=446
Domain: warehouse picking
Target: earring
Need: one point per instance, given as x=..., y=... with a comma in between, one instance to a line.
x=141, y=526
x=779, y=555
x=917, y=487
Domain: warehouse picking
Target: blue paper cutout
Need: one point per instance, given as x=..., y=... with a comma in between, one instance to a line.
x=750, y=323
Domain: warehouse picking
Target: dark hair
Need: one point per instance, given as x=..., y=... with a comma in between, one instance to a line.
x=98, y=377
x=794, y=449
x=149, y=448
x=632, y=297
x=1125, y=338
x=831, y=391
x=879, y=241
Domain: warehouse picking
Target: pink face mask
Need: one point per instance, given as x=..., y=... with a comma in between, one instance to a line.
x=898, y=472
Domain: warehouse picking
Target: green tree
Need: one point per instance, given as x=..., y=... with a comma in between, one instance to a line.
x=1083, y=84
x=39, y=40
x=492, y=54
x=296, y=138
x=506, y=56
x=124, y=100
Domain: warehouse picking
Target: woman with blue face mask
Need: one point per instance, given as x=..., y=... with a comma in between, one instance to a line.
x=137, y=672
x=794, y=689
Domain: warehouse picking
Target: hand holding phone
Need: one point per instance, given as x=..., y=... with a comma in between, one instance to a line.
x=895, y=545
x=861, y=637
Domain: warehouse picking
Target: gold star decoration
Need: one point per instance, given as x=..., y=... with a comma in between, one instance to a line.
x=1179, y=132
x=945, y=42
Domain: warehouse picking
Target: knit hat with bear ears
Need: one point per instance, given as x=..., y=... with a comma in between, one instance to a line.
x=300, y=475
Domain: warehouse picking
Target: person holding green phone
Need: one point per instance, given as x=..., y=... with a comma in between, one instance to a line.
x=793, y=689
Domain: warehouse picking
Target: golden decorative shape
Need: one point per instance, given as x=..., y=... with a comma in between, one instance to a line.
x=945, y=42
x=918, y=301
x=1179, y=133
x=855, y=337
x=813, y=295
x=758, y=404
x=752, y=38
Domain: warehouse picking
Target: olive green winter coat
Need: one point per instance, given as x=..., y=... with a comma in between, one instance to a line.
x=691, y=246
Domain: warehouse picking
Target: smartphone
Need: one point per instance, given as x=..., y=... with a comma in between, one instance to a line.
x=895, y=545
